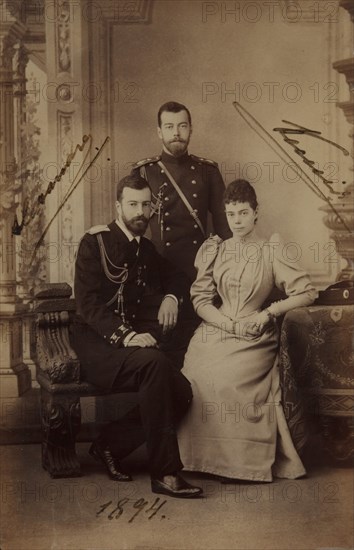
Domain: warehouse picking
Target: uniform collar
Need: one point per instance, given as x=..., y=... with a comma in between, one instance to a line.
x=170, y=159
x=126, y=231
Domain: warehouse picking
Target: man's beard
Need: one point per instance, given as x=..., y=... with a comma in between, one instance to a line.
x=137, y=226
x=177, y=148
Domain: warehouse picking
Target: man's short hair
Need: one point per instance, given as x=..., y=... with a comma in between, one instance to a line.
x=133, y=181
x=172, y=107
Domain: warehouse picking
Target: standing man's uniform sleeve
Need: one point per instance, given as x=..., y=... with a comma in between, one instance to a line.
x=174, y=282
x=216, y=204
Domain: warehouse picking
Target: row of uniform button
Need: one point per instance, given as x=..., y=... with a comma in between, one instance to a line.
x=168, y=243
x=126, y=265
x=138, y=302
x=163, y=171
x=195, y=210
x=195, y=196
x=169, y=229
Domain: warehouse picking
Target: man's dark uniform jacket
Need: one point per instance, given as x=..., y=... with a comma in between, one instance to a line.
x=103, y=320
x=174, y=232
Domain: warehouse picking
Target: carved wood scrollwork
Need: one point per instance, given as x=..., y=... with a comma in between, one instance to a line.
x=63, y=36
x=61, y=419
x=54, y=353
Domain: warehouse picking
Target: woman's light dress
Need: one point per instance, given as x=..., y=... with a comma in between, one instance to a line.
x=236, y=426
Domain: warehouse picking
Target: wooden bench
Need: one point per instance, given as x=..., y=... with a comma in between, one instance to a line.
x=59, y=377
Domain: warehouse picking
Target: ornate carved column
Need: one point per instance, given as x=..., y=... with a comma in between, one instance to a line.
x=80, y=96
x=31, y=272
x=68, y=119
x=339, y=437
x=343, y=238
x=15, y=376
x=19, y=93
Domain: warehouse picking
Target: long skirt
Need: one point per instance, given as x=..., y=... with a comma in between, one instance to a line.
x=236, y=426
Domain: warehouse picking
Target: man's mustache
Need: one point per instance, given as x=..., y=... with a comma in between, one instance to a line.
x=139, y=219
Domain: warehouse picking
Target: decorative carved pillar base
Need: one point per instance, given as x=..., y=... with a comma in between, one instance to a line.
x=344, y=238
x=28, y=336
x=15, y=376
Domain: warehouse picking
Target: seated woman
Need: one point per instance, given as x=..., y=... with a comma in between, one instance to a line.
x=236, y=426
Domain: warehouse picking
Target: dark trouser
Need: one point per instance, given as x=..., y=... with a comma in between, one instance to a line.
x=164, y=395
x=176, y=342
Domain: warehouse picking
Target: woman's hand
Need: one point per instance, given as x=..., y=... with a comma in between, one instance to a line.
x=258, y=324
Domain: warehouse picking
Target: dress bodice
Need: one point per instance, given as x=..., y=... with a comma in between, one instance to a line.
x=243, y=272
x=242, y=276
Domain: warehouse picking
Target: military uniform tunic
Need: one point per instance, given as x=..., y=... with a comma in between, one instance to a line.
x=119, y=285
x=104, y=319
x=174, y=232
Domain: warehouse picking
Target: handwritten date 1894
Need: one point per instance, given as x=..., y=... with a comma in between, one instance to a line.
x=117, y=511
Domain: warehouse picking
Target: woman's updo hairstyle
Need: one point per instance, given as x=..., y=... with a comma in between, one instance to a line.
x=241, y=191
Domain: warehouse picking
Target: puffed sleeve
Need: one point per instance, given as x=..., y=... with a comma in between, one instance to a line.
x=203, y=290
x=289, y=277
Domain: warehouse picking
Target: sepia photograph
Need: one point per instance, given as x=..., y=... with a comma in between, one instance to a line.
x=177, y=275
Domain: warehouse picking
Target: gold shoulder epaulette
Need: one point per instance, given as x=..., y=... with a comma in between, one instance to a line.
x=97, y=229
x=201, y=159
x=145, y=161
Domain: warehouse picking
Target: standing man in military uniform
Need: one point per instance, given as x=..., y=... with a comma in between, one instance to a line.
x=185, y=188
x=127, y=299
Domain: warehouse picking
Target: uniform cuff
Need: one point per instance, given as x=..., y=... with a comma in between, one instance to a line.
x=128, y=338
x=119, y=335
x=172, y=296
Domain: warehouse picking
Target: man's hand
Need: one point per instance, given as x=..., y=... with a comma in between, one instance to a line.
x=144, y=340
x=168, y=314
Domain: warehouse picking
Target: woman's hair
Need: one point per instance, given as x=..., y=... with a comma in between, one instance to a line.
x=241, y=191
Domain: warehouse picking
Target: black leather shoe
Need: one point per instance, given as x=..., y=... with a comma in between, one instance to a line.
x=175, y=486
x=104, y=455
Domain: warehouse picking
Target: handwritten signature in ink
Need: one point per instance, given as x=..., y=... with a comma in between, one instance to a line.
x=285, y=157
x=28, y=216
x=302, y=130
x=116, y=511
